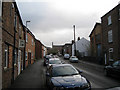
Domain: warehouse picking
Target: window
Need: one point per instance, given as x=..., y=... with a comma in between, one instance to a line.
x=26, y=55
x=97, y=38
x=6, y=56
x=26, y=37
x=32, y=55
x=110, y=37
x=109, y=20
x=20, y=31
x=12, y=5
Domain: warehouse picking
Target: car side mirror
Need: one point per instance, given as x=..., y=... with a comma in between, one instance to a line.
x=47, y=74
x=80, y=71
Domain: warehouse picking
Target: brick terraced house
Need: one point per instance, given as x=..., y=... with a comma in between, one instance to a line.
x=110, y=33
x=30, y=48
x=12, y=53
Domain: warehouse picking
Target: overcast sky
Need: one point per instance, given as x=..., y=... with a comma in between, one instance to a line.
x=53, y=20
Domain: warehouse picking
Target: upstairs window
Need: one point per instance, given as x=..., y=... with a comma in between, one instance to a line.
x=109, y=20
x=110, y=36
x=32, y=42
x=20, y=31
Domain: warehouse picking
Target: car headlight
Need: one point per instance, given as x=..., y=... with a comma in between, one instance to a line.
x=85, y=85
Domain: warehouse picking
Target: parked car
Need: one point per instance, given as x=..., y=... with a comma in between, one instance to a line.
x=46, y=59
x=53, y=61
x=73, y=59
x=65, y=77
x=113, y=70
x=66, y=56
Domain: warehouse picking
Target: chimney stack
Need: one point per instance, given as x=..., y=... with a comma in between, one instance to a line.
x=78, y=38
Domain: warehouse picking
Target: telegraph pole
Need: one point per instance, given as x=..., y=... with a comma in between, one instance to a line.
x=74, y=41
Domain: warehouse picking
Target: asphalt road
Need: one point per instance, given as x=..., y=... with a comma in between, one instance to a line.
x=96, y=77
x=34, y=77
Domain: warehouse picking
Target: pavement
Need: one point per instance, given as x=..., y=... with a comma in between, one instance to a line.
x=33, y=77
x=94, y=66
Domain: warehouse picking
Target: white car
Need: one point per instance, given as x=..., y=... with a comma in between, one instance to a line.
x=73, y=59
x=54, y=61
x=66, y=56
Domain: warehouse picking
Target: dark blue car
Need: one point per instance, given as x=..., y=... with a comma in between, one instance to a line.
x=65, y=76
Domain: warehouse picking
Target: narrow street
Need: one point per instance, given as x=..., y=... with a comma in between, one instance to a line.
x=34, y=77
x=96, y=76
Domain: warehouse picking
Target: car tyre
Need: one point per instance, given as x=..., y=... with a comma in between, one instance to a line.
x=106, y=73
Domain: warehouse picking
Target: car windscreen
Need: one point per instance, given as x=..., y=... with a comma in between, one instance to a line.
x=54, y=62
x=64, y=71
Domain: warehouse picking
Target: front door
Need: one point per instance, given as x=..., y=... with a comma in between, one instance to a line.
x=19, y=61
x=29, y=58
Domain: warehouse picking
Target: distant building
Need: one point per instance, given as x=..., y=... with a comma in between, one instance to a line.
x=59, y=48
x=110, y=35
x=67, y=48
x=82, y=47
x=96, y=42
x=38, y=49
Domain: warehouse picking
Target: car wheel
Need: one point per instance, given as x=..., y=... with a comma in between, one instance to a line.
x=106, y=73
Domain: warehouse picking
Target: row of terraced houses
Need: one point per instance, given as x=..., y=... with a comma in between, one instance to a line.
x=105, y=39
x=18, y=46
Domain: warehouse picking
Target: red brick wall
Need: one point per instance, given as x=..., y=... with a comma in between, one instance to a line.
x=30, y=48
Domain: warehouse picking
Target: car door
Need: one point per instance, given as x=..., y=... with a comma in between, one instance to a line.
x=48, y=76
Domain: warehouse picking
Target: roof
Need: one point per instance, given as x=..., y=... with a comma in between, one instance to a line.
x=82, y=45
x=111, y=10
x=94, y=28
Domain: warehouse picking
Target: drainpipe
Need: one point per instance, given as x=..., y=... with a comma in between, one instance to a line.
x=14, y=47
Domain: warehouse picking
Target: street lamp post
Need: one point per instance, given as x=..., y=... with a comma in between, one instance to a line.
x=74, y=41
x=26, y=23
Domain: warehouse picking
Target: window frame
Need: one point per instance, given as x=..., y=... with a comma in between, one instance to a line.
x=109, y=20
x=110, y=36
